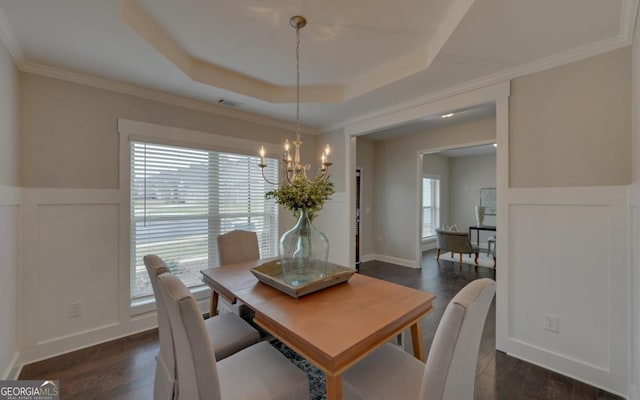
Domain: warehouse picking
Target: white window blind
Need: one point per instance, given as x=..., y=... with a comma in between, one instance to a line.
x=430, y=206
x=183, y=198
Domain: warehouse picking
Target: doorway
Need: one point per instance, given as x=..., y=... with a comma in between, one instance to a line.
x=358, y=214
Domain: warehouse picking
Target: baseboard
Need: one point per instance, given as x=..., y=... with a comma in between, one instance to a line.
x=394, y=260
x=367, y=257
x=428, y=245
x=13, y=369
x=89, y=338
x=567, y=366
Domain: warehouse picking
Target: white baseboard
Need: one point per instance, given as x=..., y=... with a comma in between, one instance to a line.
x=394, y=260
x=13, y=369
x=428, y=245
x=367, y=257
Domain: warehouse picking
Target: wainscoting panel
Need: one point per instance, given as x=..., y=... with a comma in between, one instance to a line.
x=70, y=254
x=560, y=260
x=78, y=263
x=9, y=281
x=567, y=255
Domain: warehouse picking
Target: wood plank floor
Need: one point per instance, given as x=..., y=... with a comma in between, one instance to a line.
x=123, y=369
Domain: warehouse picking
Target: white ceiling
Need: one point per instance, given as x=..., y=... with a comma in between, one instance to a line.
x=358, y=57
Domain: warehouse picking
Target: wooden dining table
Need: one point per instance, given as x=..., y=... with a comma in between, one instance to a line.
x=333, y=328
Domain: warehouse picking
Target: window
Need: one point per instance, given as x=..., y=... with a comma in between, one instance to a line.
x=183, y=198
x=430, y=206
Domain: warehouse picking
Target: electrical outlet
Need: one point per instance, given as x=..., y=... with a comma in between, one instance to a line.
x=551, y=323
x=75, y=309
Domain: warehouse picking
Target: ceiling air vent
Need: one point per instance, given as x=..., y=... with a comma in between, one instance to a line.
x=229, y=103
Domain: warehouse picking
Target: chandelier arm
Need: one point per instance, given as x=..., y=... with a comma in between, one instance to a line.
x=266, y=179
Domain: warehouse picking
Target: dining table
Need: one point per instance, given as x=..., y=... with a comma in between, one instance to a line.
x=332, y=328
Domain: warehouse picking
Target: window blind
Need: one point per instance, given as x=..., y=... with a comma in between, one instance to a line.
x=183, y=198
x=430, y=206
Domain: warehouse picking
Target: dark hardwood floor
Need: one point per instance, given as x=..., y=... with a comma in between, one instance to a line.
x=124, y=368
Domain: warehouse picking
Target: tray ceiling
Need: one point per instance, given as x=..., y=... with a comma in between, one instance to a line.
x=357, y=57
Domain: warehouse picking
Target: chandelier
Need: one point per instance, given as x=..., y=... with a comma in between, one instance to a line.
x=293, y=168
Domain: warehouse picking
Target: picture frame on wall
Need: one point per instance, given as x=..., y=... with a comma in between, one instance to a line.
x=488, y=200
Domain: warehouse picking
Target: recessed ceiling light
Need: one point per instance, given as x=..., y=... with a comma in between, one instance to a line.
x=229, y=103
x=446, y=115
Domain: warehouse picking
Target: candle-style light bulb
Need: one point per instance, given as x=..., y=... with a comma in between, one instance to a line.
x=262, y=156
x=322, y=158
x=327, y=150
x=286, y=145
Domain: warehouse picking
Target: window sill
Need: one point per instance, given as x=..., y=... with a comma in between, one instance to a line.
x=147, y=304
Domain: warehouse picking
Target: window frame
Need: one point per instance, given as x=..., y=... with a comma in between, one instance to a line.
x=438, y=208
x=130, y=130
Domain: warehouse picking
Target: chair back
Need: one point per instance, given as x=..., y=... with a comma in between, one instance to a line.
x=166, y=367
x=457, y=242
x=237, y=246
x=195, y=360
x=451, y=365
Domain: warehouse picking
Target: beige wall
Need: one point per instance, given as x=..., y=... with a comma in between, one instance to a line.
x=8, y=119
x=69, y=136
x=571, y=125
x=365, y=160
x=336, y=141
x=396, y=182
x=9, y=210
x=635, y=213
x=468, y=176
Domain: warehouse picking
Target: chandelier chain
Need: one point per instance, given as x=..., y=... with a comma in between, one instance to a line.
x=292, y=167
x=298, y=82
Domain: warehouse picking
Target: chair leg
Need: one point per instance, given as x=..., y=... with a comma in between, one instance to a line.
x=476, y=260
x=460, y=263
x=494, y=262
x=438, y=255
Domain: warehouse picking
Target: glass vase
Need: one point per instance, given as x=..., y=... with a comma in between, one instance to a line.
x=303, y=252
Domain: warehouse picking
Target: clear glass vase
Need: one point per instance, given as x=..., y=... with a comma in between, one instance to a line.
x=303, y=252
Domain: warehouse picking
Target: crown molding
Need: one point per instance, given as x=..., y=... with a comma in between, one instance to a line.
x=148, y=94
x=10, y=40
x=557, y=60
x=628, y=19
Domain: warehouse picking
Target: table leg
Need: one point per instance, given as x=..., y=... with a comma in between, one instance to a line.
x=416, y=340
x=334, y=387
x=213, y=308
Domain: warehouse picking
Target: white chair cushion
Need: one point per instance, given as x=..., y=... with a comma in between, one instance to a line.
x=261, y=372
x=229, y=334
x=398, y=375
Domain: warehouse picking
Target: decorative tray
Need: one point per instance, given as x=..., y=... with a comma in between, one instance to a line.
x=270, y=273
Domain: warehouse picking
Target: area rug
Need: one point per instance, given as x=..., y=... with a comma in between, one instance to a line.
x=317, y=382
x=483, y=259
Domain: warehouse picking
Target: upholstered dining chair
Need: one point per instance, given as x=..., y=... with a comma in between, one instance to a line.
x=455, y=242
x=257, y=372
x=228, y=333
x=450, y=370
x=234, y=247
x=237, y=246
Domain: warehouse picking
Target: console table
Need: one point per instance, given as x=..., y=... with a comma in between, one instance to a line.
x=479, y=228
